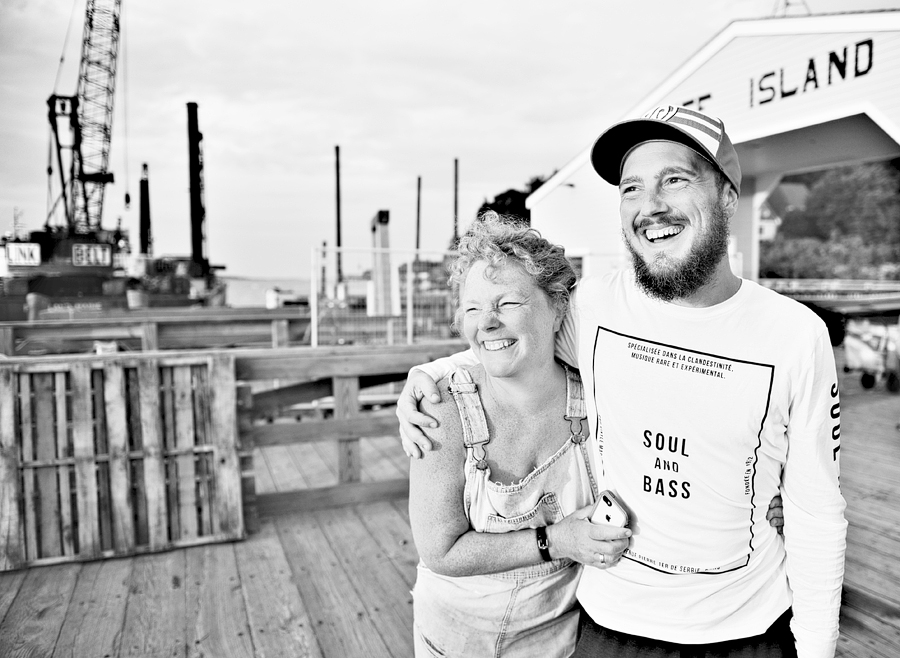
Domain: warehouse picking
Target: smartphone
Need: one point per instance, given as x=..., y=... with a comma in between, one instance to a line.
x=610, y=510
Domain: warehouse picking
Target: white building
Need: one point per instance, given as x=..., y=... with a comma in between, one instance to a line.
x=796, y=94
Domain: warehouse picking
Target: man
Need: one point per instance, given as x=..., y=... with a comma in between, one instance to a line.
x=707, y=395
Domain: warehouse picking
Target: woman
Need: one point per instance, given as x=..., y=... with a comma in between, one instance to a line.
x=499, y=508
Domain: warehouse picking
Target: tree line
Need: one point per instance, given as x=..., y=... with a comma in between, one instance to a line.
x=849, y=229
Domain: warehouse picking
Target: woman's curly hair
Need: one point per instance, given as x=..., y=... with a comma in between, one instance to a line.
x=501, y=240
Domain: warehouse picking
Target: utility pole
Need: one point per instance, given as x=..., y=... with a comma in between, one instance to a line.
x=418, y=214
x=455, y=201
x=337, y=171
x=324, y=270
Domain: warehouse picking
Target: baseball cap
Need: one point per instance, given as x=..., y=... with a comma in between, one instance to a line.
x=699, y=132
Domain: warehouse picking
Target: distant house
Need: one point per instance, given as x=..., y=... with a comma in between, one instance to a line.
x=784, y=199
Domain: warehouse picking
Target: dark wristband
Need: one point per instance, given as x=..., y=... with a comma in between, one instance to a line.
x=543, y=543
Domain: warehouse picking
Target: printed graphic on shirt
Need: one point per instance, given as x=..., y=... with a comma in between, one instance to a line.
x=688, y=460
x=836, y=419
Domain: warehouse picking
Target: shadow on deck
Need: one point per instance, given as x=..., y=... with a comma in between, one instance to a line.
x=335, y=582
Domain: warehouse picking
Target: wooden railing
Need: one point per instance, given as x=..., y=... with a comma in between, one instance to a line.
x=109, y=455
x=165, y=330
x=340, y=373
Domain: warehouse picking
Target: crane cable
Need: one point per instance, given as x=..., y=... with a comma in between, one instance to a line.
x=62, y=56
x=50, y=208
x=123, y=48
x=51, y=204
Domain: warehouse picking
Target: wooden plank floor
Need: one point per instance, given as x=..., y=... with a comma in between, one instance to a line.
x=870, y=481
x=335, y=583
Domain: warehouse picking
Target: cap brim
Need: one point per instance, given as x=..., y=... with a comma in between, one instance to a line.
x=612, y=146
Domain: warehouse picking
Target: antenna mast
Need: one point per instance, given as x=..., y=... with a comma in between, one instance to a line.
x=783, y=8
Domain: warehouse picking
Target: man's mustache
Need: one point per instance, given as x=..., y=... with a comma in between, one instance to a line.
x=667, y=220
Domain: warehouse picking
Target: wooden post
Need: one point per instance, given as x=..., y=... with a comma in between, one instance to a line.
x=149, y=337
x=346, y=405
x=136, y=442
x=204, y=466
x=167, y=408
x=28, y=476
x=12, y=550
x=184, y=440
x=280, y=334
x=62, y=452
x=85, y=465
x=7, y=341
x=154, y=469
x=45, y=450
x=101, y=447
x=245, y=454
x=223, y=431
x=119, y=466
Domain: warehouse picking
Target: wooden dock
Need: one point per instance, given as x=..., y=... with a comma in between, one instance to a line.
x=335, y=582
x=155, y=329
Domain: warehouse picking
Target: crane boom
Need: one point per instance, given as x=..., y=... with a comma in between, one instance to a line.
x=89, y=115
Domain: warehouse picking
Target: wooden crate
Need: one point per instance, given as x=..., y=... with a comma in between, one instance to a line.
x=116, y=455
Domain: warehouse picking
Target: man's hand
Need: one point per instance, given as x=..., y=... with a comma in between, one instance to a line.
x=775, y=515
x=595, y=544
x=418, y=386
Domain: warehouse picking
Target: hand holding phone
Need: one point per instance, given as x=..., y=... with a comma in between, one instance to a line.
x=610, y=510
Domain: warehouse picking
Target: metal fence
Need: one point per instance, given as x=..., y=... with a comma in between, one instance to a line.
x=381, y=297
x=395, y=296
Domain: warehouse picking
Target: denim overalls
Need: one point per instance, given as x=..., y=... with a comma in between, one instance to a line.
x=525, y=612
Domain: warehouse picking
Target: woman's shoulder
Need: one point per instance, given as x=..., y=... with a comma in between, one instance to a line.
x=476, y=372
x=449, y=430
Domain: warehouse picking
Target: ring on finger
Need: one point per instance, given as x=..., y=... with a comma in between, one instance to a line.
x=602, y=558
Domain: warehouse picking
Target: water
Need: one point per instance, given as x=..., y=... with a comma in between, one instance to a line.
x=249, y=292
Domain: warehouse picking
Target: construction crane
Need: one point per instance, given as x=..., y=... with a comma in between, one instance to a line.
x=81, y=125
x=73, y=264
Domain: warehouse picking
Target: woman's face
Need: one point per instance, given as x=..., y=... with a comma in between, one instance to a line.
x=509, y=321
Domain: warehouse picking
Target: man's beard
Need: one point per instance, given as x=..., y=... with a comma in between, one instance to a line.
x=682, y=278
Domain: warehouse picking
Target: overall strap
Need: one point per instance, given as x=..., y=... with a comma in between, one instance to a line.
x=576, y=412
x=471, y=413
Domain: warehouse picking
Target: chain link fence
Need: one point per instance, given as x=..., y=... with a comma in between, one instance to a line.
x=395, y=296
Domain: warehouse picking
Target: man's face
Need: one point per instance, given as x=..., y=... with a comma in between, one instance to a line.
x=674, y=218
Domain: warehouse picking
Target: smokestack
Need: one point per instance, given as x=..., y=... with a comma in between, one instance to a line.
x=198, y=212
x=381, y=267
x=455, y=201
x=337, y=176
x=146, y=235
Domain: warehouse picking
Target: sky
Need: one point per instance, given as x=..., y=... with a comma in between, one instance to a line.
x=513, y=89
